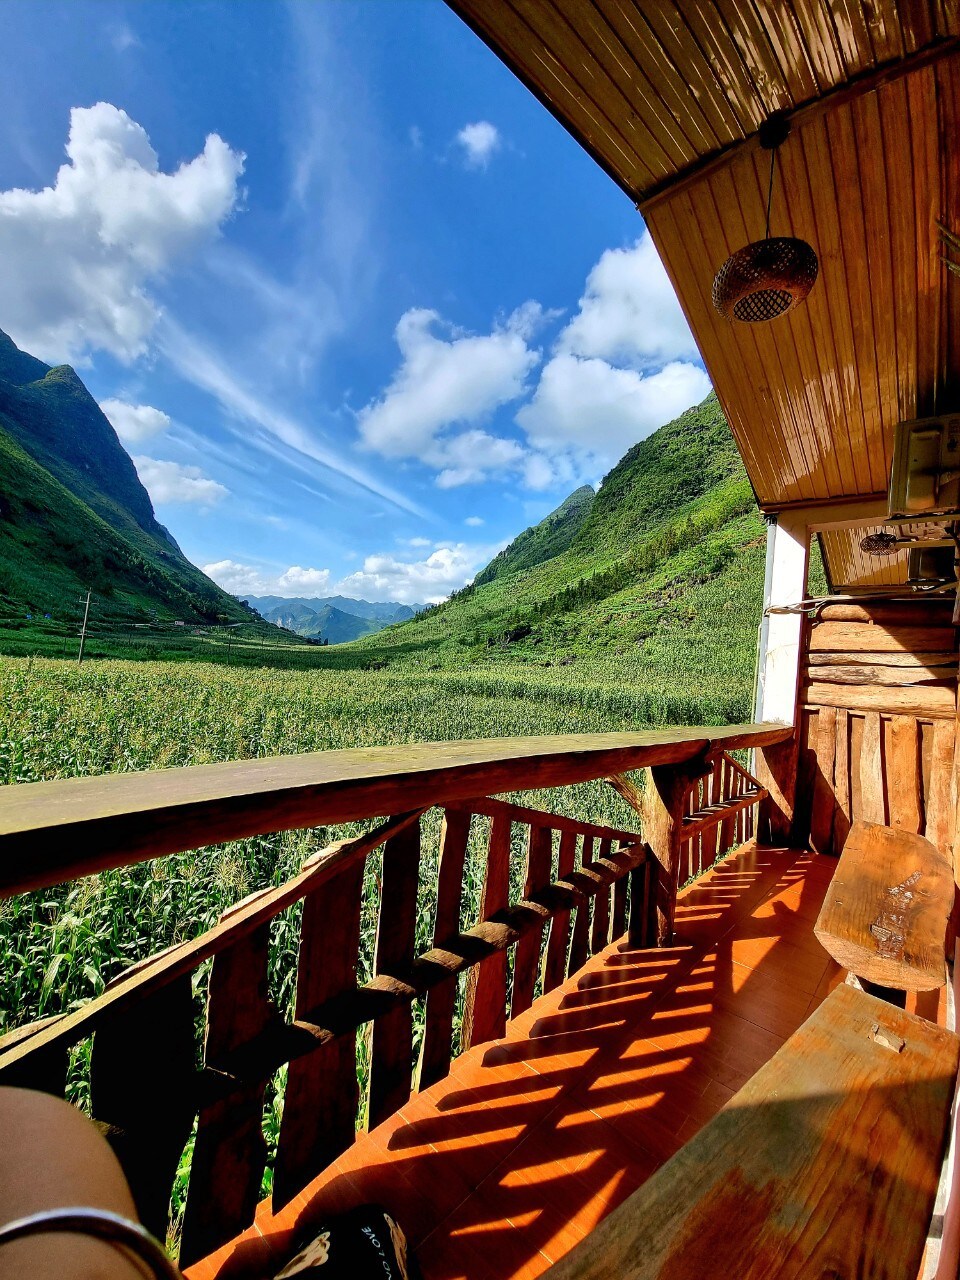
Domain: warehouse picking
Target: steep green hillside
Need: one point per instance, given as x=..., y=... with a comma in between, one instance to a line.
x=552, y=536
x=660, y=587
x=74, y=515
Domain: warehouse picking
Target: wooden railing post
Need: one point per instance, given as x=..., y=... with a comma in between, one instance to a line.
x=580, y=942
x=143, y=1087
x=440, y=1002
x=230, y=1152
x=391, y=1041
x=554, y=962
x=320, y=1103
x=485, y=1008
x=526, y=961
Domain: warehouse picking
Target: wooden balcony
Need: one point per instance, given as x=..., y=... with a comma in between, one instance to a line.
x=581, y=886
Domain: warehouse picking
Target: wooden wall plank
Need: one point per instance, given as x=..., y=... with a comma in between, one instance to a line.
x=555, y=960
x=941, y=796
x=823, y=794
x=918, y=700
x=856, y=747
x=391, y=1038
x=526, y=960
x=868, y=637
x=230, y=1152
x=320, y=1104
x=841, y=782
x=872, y=674
x=485, y=1008
x=905, y=661
x=871, y=770
x=903, y=774
x=437, y=1044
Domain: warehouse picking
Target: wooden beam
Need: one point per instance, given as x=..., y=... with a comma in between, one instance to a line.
x=55, y=831
x=928, y=701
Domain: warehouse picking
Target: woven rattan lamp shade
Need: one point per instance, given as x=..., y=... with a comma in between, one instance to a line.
x=765, y=279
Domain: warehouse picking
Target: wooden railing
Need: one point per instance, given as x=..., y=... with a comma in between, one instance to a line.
x=584, y=885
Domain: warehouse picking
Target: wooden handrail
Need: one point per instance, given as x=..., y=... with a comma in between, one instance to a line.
x=59, y=830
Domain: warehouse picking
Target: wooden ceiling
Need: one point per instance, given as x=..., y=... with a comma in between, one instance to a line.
x=668, y=95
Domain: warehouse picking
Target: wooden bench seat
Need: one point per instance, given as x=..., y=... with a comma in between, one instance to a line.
x=886, y=913
x=825, y=1164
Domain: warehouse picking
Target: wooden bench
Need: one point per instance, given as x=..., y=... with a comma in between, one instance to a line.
x=886, y=912
x=825, y=1164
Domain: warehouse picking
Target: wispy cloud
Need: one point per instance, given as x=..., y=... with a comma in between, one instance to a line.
x=203, y=368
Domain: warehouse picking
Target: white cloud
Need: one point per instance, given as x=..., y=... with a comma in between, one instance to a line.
x=246, y=580
x=474, y=521
x=383, y=576
x=629, y=313
x=135, y=422
x=449, y=381
x=415, y=134
x=175, y=482
x=479, y=142
x=78, y=257
x=595, y=409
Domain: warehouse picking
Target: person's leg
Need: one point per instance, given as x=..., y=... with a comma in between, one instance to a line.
x=52, y=1157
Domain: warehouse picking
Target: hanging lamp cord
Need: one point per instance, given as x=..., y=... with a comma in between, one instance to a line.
x=773, y=161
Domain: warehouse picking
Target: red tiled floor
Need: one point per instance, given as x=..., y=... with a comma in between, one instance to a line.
x=501, y=1168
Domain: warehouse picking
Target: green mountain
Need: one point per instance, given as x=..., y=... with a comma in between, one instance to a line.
x=658, y=587
x=74, y=515
x=335, y=619
x=549, y=538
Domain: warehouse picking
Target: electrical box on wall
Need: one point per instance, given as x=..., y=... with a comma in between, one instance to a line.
x=925, y=476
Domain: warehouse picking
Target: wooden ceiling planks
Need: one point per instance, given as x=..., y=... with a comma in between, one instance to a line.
x=653, y=86
x=668, y=95
x=813, y=397
x=849, y=566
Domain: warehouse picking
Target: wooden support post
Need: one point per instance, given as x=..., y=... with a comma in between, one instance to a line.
x=440, y=1002
x=664, y=799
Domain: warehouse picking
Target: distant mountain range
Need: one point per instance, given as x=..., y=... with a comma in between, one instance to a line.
x=74, y=515
x=334, y=619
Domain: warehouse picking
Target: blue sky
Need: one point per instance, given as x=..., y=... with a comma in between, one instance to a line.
x=356, y=304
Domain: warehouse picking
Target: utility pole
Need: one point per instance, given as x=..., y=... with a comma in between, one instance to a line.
x=83, y=629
